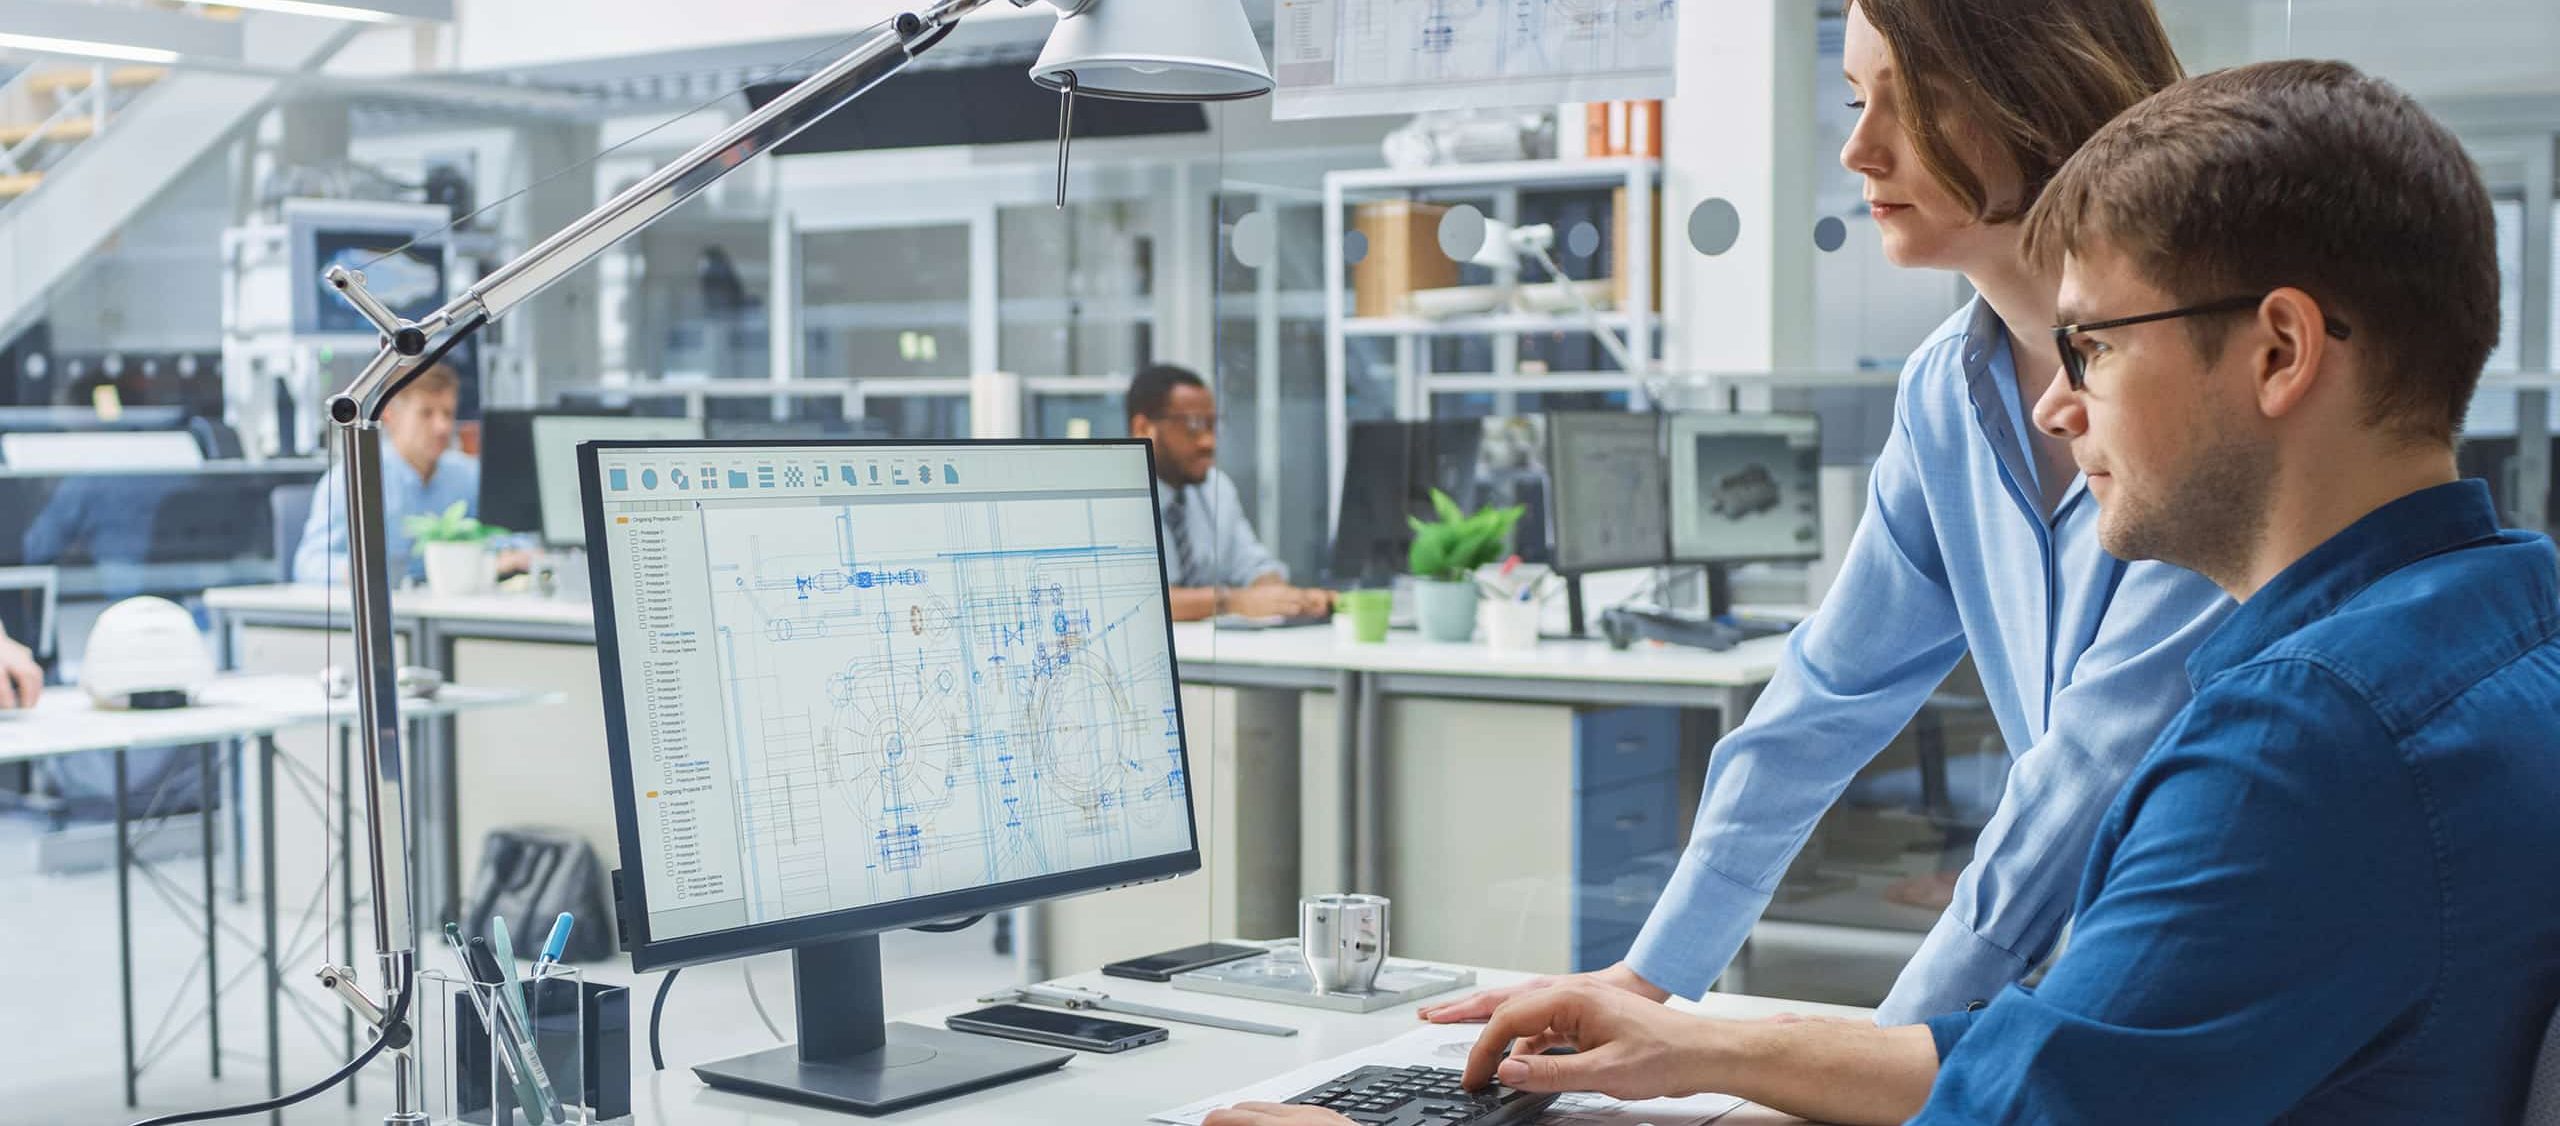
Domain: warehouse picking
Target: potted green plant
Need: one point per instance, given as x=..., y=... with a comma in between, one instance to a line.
x=1446, y=553
x=456, y=550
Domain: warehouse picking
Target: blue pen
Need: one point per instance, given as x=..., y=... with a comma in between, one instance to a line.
x=556, y=945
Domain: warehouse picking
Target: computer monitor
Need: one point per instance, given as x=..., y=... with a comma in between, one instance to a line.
x=1745, y=487
x=1607, y=491
x=510, y=484
x=555, y=462
x=851, y=687
x=1389, y=470
x=794, y=430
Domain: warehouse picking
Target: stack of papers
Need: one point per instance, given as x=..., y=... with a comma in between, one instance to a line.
x=1446, y=1045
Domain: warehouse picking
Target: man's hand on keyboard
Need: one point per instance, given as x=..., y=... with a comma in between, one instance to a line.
x=1625, y=1046
x=1274, y=1114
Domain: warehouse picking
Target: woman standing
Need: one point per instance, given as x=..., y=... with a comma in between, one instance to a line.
x=1979, y=536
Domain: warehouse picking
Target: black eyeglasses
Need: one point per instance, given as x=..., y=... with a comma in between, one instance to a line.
x=2076, y=366
x=1197, y=424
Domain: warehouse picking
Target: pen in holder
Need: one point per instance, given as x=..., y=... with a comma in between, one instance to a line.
x=566, y=1061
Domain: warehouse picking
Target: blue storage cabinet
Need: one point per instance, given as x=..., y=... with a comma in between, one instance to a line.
x=1626, y=836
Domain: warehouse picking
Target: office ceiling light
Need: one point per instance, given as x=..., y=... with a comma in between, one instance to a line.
x=358, y=11
x=1154, y=51
x=141, y=35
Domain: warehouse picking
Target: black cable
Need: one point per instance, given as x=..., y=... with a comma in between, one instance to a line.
x=658, y=1007
x=658, y=1061
x=948, y=928
x=399, y=1012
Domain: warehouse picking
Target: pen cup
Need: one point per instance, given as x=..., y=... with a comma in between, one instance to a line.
x=472, y=1071
x=1369, y=611
x=1509, y=626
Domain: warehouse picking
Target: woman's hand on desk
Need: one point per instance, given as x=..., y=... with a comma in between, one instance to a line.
x=1480, y=1006
x=20, y=680
x=1273, y=1114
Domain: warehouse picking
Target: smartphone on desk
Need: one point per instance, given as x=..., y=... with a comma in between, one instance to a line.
x=1056, y=1027
x=1162, y=967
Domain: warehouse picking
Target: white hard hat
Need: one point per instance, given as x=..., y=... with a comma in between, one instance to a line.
x=145, y=653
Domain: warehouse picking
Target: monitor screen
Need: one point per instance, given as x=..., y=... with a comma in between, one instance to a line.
x=510, y=491
x=1607, y=491
x=1389, y=470
x=857, y=686
x=1745, y=487
x=555, y=462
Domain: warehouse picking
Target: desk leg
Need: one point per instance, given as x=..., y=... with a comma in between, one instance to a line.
x=124, y=926
x=347, y=880
x=267, y=884
x=238, y=772
x=205, y=790
x=1368, y=768
x=1346, y=749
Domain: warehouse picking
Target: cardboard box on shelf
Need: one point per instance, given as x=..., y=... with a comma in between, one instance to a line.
x=1404, y=256
x=1621, y=266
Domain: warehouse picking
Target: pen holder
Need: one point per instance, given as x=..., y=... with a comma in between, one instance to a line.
x=473, y=1070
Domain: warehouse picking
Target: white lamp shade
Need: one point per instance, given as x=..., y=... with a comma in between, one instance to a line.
x=1156, y=51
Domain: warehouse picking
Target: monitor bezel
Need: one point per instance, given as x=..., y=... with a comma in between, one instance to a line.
x=1557, y=509
x=648, y=952
x=1671, y=491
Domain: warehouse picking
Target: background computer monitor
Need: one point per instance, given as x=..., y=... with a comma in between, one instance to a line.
x=852, y=687
x=1745, y=487
x=555, y=462
x=1607, y=491
x=1389, y=470
x=793, y=430
x=510, y=485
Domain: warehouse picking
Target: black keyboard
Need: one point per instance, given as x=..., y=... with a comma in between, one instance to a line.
x=1423, y=1096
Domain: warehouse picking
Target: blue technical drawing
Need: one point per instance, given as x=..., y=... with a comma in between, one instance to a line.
x=944, y=716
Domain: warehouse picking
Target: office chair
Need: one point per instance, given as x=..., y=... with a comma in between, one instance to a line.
x=290, y=507
x=2542, y=1099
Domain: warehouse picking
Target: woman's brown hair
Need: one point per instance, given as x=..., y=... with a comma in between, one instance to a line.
x=2036, y=78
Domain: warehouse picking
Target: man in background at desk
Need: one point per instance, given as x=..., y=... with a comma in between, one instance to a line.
x=21, y=680
x=1212, y=560
x=421, y=475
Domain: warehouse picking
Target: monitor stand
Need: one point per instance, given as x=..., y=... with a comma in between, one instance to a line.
x=850, y=1059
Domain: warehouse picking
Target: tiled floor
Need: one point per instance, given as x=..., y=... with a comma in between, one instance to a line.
x=60, y=1044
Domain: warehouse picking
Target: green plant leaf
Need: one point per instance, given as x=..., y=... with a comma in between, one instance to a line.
x=1447, y=508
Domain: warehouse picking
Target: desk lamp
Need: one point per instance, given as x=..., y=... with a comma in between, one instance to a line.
x=1470, y=237
x=1154, y=50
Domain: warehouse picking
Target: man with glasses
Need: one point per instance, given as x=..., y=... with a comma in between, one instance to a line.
x=1212, y=560
x=2327, y=894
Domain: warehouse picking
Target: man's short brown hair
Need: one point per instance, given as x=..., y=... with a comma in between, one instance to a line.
x=2036, y=77
x=439, y=379
x=2311, y=175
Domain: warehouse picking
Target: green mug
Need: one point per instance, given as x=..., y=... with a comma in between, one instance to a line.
x=1369, y=610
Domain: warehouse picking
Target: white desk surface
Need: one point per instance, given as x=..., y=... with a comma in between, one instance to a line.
x=1315, y=647
x=64, y=721
x=1749, y=664
x=308, y=598
x=1124, y=1089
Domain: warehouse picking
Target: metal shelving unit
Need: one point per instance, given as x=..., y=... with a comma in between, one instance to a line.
x=1637, y=324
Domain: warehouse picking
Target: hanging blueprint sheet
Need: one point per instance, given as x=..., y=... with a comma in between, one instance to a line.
x=1342, y=58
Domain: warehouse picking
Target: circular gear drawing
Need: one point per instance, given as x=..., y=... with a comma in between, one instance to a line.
x=1085, y=742
x=897, y=743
